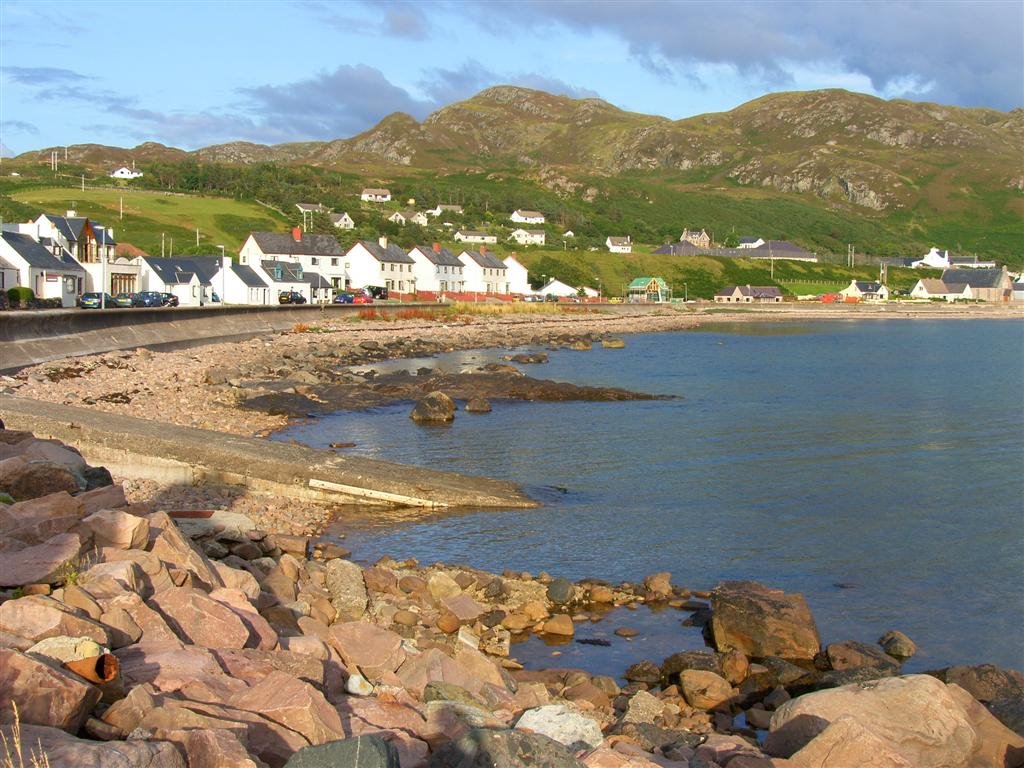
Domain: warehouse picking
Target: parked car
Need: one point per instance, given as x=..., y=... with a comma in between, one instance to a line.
x=362, y=298
x=343, y=298
x=376, y=292
x=290, y=297
x=170, y=300
x=124, y=299
x=93, y=301
x=148, y=299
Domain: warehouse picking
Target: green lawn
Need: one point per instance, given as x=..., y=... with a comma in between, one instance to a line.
x=150, y=215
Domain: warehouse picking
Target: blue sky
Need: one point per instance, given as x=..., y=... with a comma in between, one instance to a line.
x=191, y=74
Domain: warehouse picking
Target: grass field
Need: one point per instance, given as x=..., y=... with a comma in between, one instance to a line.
x=148, y=216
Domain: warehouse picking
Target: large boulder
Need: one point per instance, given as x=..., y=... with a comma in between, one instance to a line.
x=915, y=715
x=434, y=407
x=43, y=693
x=761, y=621
x=117, y=529
x=24, y=479
x=563, y=724
x=199, y=619
x=172, y=548
x=345, y=584
x=986, y=682
x=487, y=748
x=36, y=617
x=367, y=648
x=52, y=562
x=37, y=520
x=846, y=742
x=357, y=752
x=61, y=749
x=294, y=704
x=704, y=690
x=850, y=655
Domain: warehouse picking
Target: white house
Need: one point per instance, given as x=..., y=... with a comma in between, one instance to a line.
x=91, y=245
x=436, y=269
x=750, y=242
x=568, y=233
x=50, y=275
x=935, y=288
x=619, y=244
x=320, y=256
x=528, y=236
x=555, y=287
x=126, y=173
x=409, y=217
x=375, y=195
x=473, y=236
x=484, y=272
x=380, y=264
x=527, y=217
x=865, y=290
x=311, y=207
x=700, y=239
x=342, y=221
x=193, y=279
x=8, y=276
x=934, y=259
x=518, y=276
x=440, y=208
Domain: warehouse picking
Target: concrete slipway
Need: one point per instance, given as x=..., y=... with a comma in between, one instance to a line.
x=174, y=454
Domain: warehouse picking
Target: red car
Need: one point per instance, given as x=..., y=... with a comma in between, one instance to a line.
x=360, y=298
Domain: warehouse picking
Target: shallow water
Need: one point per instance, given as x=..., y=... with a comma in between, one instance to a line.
x=877, y=467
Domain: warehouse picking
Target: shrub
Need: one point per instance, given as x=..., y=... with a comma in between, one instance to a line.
x=20, y=295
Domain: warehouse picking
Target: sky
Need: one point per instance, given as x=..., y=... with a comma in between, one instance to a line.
x=191, y=74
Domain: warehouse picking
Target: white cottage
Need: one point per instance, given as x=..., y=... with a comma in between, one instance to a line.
x=619, y=244
x=375, y=195
x=527, y=217
x=474, y=236
x=342, y=221
x=126, y=173
x=528, y=236
x=436, y=269
x=485, y=272
x=380, y=264
x=518, y=276
x=50, y=275
x=320, y=256
x=190, y=278
x=91, y=245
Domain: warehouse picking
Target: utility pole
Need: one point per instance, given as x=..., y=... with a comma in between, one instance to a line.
x=83, y=182
x=197, y=237
x=851, y=255
x=162, y=254
x=121, y=215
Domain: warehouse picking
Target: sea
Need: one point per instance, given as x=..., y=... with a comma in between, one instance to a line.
x=876, y=467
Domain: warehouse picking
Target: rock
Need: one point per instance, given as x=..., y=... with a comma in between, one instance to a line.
x=64, y=648
x=1010, y=712
x=560, y=592
x=613, y=343
x=357, y=752
x=897, y=645
x=435, y=407
x=644, y=672
x=370, y=649
x=448, y=623
x=986, y=682
x=659, y=584
x=643, y=707
x=704, y=690
x=37, y=617
x=735, y=665
x=358, y=685
x=517, y=622
x=43, y=694
x=171, y=547
x=53, y=562
x=560, y=624
x=846, y=742
x=626, y=632
x=198, y=619
x=24, y=479
x=464, y=607
x=851, y=654
x=343, y=579
x=478, y=405
x=293, y=545
x=677, y=662
x=441, y=585
x=759, y=718
x=66, y=751
x=563, y=724
x=914, y=714
x=997, y=744
x=37, y=520
x=117, y=529
x=295, y=704
x=601, y=594
x=107, y=497
x=211, y=748
x=761, y=621
x=261, y=634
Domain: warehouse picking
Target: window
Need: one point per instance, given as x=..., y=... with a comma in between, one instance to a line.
x=314, y=260
x=392, y=267
x=278, y=272
x=334, y=262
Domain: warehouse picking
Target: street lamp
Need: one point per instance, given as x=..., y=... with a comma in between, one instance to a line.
x=686, y=295
x=223, y=276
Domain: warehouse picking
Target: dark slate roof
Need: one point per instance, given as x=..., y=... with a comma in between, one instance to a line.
x=38, y=255
x=442, y=258
x=315, y=280
x=392, y=254
x=780, y=246
x=248, y=276
x=70, y=228
x=754, y=291
x=486, y=259
x=291, y=271
x=272, y=243
x=179, y=269
x=866, y=286
x=745, y=240
x=5, y=265
x=683, y=248
x=102, y=239
x=976, y=278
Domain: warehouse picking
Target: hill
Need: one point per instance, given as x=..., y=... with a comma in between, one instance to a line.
x=822, y=167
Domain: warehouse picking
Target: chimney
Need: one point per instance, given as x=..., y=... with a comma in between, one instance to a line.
x=437, y=247
x=297, y=234
x=383, y=241
x=71, y=214
x=483, y=250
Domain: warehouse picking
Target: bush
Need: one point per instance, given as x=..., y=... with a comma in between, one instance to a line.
x=19, y=295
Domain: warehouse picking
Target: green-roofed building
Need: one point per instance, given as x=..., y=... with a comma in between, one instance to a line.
x=648, y=290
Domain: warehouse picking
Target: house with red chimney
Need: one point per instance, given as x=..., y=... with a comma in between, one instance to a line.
x=380, y=264
x=436, y=269
x=484, y=272
x=313, y=265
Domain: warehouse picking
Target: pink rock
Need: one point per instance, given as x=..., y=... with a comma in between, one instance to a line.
x=997, y=744
x=153, y=626
x=170, y=545
x=37, y=617
x=24, y=479
x=166, y=666
x=44, y=695
x=253, y=666
x=155, y=577
x=367, y=647
x=198, y=619
x=62, y=749
x=48, y=563
x=216, y=749
x=761, y=621
x=37, y=520
x=659, y=584
x=464, y=607
x=261, y=634
x=107, y=497
x=125, y=573
x=294, y=704
x=847, y=742
x=236, y=578
x=117, y=529
x=723, y=748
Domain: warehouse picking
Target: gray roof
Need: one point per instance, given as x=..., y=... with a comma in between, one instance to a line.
x=392, y=254
x=38, y=255
x=315, y=280
x=683, y=248
x=747, y=239
x=5, y=265
x=486, y=259
x=442, y=258
x=291, y=272
x=273, y=243
x=976, y=278
x=315, y=207
x=754, y=291
x=179, y=269
x=867, y=286
x=248, y=276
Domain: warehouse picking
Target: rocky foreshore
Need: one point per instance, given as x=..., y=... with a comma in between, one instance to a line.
x=134, y=637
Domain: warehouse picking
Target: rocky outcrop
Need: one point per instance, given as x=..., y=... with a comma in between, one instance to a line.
x=761, y=621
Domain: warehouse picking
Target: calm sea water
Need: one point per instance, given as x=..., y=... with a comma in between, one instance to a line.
x=876, y=467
